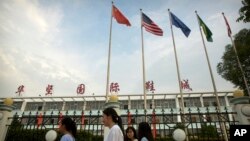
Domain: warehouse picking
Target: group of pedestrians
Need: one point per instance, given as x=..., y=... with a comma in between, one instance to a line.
x=116, y=131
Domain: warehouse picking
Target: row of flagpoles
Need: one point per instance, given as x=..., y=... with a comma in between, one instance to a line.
x=153, y=28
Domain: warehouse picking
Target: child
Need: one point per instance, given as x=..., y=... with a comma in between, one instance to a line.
x=131, y=134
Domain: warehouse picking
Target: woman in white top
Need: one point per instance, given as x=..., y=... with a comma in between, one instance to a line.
x=114, y=123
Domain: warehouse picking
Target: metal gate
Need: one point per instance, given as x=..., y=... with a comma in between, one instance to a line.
x=200, y=123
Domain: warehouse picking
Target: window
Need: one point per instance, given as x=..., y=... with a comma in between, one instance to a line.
x=209, y=101
x=55, y=106
x=125, y=107
x=75, y=105
x=192, y=102
x=136, y=104
x=164, y=103
x=214, y=104
x=17, y=105
x=39, y=108
x=222, y=101
x=32, y=106
x=206, y=104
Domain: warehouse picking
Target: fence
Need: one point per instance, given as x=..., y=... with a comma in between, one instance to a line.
x=203, y=123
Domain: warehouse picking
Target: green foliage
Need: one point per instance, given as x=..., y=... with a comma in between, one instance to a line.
x=39, y=135
x=208, y=131
x=164, y=139
x=18, y=132
x=244, y=11
x=229, y=68
x=84, y=136
x=25, y=134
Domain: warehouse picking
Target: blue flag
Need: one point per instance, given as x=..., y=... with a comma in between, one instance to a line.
x=178, y=23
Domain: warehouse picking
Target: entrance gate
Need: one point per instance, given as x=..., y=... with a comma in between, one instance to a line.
x=200, y=123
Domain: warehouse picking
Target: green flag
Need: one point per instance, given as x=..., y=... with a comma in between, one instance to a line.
x=206, y=30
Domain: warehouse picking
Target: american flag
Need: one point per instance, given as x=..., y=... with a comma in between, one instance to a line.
x=150, y=26
x=229, y=32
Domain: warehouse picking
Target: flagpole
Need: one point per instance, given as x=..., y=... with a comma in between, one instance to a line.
x=238, y=60
x=177, y=65
x=240, y=66
x=143, y=66
x=108, y=68
x=178, y=74
x=213, y=82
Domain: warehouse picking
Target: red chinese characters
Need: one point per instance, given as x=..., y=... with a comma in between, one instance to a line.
x=20, y=89
x=80, y=89
x=150, y=86
x=114, y=87
x=185, y=85
x=49, y=90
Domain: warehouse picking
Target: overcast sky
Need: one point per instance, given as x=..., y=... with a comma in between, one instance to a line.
x=65, y=43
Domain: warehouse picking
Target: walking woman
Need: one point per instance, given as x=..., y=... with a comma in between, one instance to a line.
x=144, y=132
x=68, y=128
x=114, y=123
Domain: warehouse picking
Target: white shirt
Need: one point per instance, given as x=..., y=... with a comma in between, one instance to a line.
x=115, y=134
x=67, y=137
x=144, y=139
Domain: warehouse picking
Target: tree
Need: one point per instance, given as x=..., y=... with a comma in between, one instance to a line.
x=244, y=11
x=229, y=68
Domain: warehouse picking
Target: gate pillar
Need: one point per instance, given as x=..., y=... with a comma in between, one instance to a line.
x=5, y=113
x=112, y=103
x=241, y=106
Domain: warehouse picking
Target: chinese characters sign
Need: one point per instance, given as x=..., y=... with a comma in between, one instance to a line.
x=185, y=85
x=20, y=89
x=49, y=90
x=114, y=87
x=80, y=89
x=150, y=86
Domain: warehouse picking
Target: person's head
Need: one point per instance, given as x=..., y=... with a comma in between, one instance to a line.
x=144, y=130
x=110, y=117
x=67, y=125
x=130, y=134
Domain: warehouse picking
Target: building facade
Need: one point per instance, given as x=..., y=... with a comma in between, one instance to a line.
x=133, y=101
x=163, y=111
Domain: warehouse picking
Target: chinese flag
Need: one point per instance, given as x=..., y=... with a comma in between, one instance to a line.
x=39, y=120
x=120, y=18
